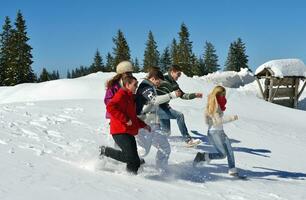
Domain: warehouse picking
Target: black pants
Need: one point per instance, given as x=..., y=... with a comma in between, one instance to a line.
x=128, y=153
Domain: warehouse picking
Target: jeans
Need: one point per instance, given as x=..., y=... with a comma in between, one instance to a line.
x=165, y=114
x=155, y=138
x=128, y=153
x=222, y=144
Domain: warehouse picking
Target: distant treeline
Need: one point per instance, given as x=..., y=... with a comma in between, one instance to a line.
x=16, y=57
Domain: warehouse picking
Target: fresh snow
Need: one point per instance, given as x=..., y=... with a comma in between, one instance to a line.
x=50, y=133
x=230, y=79
x=284, y=67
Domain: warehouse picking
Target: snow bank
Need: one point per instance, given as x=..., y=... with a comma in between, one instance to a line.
x=91, y=86
x=284, y=67
x=53, y=90
x=230, y=79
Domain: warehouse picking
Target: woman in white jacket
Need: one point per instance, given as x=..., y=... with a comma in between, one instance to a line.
x=215, y=119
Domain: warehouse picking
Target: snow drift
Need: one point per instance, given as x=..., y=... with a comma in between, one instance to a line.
x=50, y=133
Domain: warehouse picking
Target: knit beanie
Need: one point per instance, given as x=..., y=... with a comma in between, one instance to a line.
x=123, y=67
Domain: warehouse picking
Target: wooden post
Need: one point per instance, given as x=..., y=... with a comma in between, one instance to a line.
x=266, y=92
x=296, y=92
x=261, y=90
x=301, y=91
x=278, y=84
x=270, y=89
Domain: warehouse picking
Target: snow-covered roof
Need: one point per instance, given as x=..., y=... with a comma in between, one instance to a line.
x=284, y=67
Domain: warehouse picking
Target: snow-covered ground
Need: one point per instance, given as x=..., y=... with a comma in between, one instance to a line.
x=50, y=133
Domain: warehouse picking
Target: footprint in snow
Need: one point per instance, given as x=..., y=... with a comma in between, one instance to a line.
x=30, y=134
x=54, y=134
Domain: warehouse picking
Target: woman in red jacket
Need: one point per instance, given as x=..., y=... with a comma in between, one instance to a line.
x=124, y=125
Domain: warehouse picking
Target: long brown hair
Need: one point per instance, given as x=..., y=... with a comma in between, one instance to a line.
x=212, y=104
x=116, y=79
x=128, y=80
x=110, y=83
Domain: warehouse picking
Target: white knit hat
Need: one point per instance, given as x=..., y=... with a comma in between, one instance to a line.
x=124, y=66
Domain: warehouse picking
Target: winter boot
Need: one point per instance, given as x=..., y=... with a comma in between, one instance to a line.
x=201, y=157
x=102, y=151
x=142, y=161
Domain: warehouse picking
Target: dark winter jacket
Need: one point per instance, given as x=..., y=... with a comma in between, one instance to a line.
x=170, y=85
x=122, y=108
x=147, y=101
x=145, y=92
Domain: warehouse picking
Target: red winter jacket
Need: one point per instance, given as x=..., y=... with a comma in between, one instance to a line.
x=122, y=108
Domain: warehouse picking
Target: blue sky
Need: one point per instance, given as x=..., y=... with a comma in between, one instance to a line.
x=65, y=34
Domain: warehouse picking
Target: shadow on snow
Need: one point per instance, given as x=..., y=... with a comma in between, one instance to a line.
x=218, y=172
x=204, y=139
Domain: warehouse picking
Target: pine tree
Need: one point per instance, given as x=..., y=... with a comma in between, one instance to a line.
x=47, y=76
x=109, y=66
x=230, y=63
x=195, y=65
x=5, y=53
x=174, y=51
x=242, y=57
x=54, y=75
x=202, y=69
x=165, y=60
x=69, y=74
x=73, y=75
x=186, y=56
x=236, y=58
x=23, y=56
x=81, y=71
x=97, y=65
x=136, y=65
x=210, y=59
x=121, y=49
x=151, y=54
x=44, y=76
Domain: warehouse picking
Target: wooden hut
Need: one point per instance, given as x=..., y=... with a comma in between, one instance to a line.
x=282, y=80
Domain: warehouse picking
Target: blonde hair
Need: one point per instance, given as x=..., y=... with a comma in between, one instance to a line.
x=212, y=104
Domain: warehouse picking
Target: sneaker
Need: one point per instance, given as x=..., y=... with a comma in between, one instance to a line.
x=233, y=172
x=142, y=161
x=192, y=142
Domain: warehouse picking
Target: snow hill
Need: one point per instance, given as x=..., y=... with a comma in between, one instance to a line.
x=50, y=133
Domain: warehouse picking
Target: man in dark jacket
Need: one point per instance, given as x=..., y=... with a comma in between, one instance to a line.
x=147, y=103
x=166, y=113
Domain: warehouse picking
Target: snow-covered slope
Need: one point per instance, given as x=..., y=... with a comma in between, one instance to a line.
x=50, y=133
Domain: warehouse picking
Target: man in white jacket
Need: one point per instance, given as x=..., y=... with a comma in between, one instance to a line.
x=147, y=105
